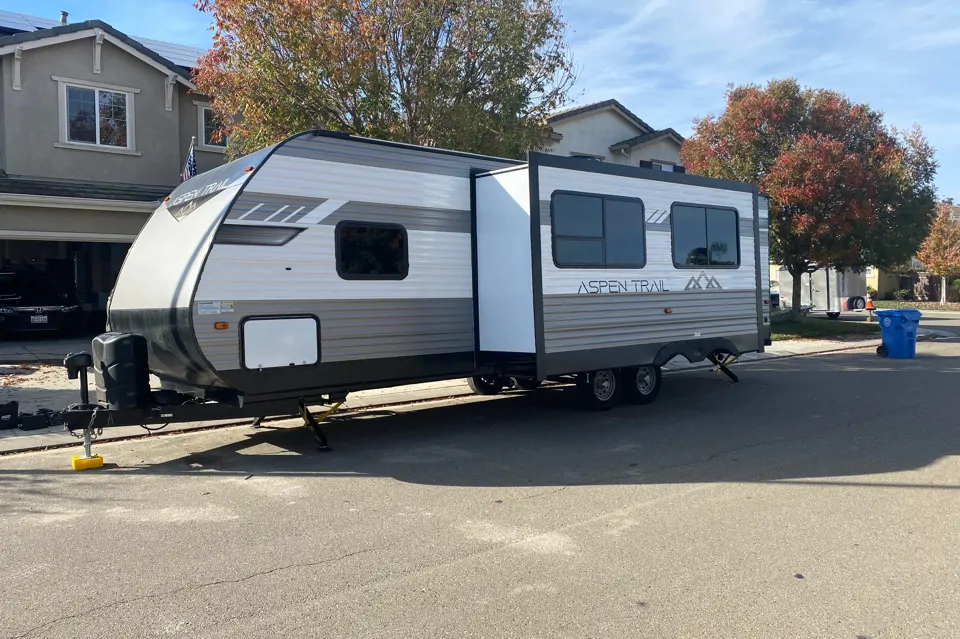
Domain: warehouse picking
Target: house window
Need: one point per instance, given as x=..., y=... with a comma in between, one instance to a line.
x=594, y=231
x=705, y=236
x=367, y=251
x=97, y=116
x=211, y=125
x=660, y=166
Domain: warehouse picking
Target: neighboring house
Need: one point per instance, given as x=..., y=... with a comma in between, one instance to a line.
x=610, y=132
x=95, y=128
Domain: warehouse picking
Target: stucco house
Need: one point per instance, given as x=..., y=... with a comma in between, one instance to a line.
x=95, y=127
x=609, y=132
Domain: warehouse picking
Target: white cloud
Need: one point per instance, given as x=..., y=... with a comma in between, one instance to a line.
x=671, y=61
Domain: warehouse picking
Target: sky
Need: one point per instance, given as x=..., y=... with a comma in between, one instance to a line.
x=669, y=61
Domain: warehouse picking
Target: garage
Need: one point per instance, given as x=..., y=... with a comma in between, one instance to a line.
x=61, y=249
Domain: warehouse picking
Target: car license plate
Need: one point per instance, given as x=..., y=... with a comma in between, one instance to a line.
x=38, y=319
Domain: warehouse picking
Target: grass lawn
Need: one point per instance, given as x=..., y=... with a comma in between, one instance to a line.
x=821, y=329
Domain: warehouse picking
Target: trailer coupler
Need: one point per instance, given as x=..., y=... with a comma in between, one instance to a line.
x=722, y=364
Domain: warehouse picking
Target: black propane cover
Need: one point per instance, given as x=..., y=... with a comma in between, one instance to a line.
x=121, y=370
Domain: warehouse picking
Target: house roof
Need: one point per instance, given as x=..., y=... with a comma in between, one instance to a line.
x=597, y=106
x=647, y=137
x=180, y=55
x=64, y=33
x=82, y=189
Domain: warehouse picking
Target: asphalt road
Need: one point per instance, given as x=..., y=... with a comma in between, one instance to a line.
x=819, y=498
x=948, y=321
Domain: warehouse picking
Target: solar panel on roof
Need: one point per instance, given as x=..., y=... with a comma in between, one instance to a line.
x=178, y=54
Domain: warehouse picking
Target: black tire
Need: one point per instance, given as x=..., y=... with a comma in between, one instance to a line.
x=882, y=351
x=642, y=383
x=526, y=383
x=833, y=315
x=858, y=303
x=602, y=389
x=486, y=385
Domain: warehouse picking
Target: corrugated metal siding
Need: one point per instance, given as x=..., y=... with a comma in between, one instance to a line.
x=352, y=329
x=440, y=267
x=584, y=322
x=562, y=281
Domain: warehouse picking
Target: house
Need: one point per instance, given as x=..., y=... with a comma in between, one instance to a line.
x=609, y=132
x=95, y=128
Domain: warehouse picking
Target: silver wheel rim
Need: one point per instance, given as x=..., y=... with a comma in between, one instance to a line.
x=646, y=380
x=604, y=385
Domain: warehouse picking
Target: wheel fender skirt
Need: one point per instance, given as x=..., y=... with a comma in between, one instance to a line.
x=695, y=350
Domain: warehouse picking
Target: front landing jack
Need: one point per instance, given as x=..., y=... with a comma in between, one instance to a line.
x=89, y=461
x=76, y=365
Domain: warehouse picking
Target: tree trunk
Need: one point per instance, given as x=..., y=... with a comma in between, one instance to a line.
x=943, y=289
x=795, y=302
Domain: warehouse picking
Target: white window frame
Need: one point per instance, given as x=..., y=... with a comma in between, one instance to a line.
x=65, y=141
x=202, y=145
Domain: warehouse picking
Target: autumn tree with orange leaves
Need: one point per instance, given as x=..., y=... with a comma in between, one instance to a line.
x=845, y=190
x=471, y=75
x=940, y=251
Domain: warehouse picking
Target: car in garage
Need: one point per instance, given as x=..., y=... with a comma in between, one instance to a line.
x=33, y=301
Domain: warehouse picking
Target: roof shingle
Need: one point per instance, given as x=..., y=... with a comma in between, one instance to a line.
x=577, y=110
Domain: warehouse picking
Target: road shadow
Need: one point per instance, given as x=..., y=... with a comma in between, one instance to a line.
x=835, y=416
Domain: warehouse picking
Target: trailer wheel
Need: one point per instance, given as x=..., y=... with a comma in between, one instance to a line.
x=859, y=304
x=526, y=383
x=486, y=384
x=833, y=315
x=642, y=384
x=601, y=389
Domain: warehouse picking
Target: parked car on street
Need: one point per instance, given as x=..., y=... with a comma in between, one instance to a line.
x=33, y=301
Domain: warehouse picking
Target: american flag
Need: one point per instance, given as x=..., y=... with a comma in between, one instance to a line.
x=190, y=168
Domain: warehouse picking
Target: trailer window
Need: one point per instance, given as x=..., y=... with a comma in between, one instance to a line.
x=368, y=251
x=595, y=231
x=705, y=237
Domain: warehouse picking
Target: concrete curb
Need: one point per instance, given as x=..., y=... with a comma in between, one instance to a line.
x=448, y=393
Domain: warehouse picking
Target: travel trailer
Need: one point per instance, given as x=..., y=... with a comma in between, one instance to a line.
x=328, y=263
x=828, y=290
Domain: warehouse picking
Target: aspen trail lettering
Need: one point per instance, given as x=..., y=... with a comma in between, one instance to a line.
x=622, y=286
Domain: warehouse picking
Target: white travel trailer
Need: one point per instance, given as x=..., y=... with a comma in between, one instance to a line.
x=828, y=290
x=328, y=263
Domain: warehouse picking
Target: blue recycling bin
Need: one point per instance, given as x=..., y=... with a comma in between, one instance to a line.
x=898, y=333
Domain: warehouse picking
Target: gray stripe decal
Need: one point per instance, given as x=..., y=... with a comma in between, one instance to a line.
x=412, y=218
x=269, y=204
x=273, y=209
x=351, y=329
x=366, y=154
x=584, y=322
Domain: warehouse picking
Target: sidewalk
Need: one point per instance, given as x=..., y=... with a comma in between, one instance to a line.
x=40, y=386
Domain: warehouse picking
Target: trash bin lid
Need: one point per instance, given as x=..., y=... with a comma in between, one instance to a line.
x=909, y=314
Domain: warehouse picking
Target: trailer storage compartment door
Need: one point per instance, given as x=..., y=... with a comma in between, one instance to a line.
x=272, y=342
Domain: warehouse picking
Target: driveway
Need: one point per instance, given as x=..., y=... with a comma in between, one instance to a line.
x=819, y=498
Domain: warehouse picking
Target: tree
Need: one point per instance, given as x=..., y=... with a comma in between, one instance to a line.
x=845, y=191
x=940, y=251
x=472, y=75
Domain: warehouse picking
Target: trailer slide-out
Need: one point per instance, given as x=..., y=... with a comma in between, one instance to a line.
x=328, y=263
